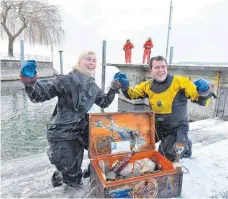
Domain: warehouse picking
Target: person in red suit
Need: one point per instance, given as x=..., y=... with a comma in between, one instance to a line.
x=127, y=48
x=147, y=50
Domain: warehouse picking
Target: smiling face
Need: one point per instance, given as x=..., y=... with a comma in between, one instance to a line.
x=88, y=63
x=159, y=70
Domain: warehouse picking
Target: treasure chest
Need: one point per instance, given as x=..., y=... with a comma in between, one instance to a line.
x=119, y=141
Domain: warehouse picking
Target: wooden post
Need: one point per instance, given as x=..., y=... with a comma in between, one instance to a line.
x=216, y=92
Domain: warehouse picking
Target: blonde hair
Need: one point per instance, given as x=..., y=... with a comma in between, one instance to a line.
x=83, y=55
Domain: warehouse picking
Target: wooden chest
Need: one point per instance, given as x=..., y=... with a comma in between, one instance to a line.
x=111, y=138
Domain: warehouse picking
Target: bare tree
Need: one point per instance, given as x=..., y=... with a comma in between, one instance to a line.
x=35, y=21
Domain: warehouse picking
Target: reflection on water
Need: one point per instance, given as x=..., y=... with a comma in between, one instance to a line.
x=23, y=123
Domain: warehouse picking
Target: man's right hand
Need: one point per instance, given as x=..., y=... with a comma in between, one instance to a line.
x=28, y=72
x=122, y=79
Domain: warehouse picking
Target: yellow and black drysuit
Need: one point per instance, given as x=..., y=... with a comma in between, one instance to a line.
x=168, y=100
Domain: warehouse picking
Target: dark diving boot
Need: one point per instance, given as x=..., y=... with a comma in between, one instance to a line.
x=86, y=172
x=57, y=179
x=188, y=153
x=76, y=182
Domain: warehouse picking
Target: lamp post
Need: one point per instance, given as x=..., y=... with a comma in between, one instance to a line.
x=171, y=55
x=169, y=28
x=103, y=67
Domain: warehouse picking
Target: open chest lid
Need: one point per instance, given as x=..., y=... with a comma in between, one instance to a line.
x=118, y=133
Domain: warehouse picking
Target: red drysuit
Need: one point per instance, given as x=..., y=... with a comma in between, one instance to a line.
x=127, y=48
x=147, y=50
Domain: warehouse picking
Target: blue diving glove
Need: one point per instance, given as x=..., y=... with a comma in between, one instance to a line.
x=122, y=79
x=202, y=85
x=28, y=72
x=125, y=83
x=119, y=75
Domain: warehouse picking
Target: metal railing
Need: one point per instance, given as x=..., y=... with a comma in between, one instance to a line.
x=222, y=105
x=26, y=57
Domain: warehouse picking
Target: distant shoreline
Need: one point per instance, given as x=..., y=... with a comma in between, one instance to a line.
x=202, y=63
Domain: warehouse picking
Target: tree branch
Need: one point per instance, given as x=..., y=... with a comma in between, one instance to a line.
x=40, y=22
x=22, y=18
x=4, y=16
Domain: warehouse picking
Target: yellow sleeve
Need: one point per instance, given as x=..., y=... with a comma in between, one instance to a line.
x=189, y=88
x=139, y=91
x=191, y=91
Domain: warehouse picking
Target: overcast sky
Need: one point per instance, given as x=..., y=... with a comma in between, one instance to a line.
x=199, y=29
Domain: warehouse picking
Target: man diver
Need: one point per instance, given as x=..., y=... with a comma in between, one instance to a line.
x=168, y=97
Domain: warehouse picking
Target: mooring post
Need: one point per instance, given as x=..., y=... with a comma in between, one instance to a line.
x=103, y=68
x=61, y=61
x=22, y=52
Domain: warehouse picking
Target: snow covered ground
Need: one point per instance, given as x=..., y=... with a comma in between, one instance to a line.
x=207, y=178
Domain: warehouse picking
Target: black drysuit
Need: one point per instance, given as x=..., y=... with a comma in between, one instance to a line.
x=67, y=132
